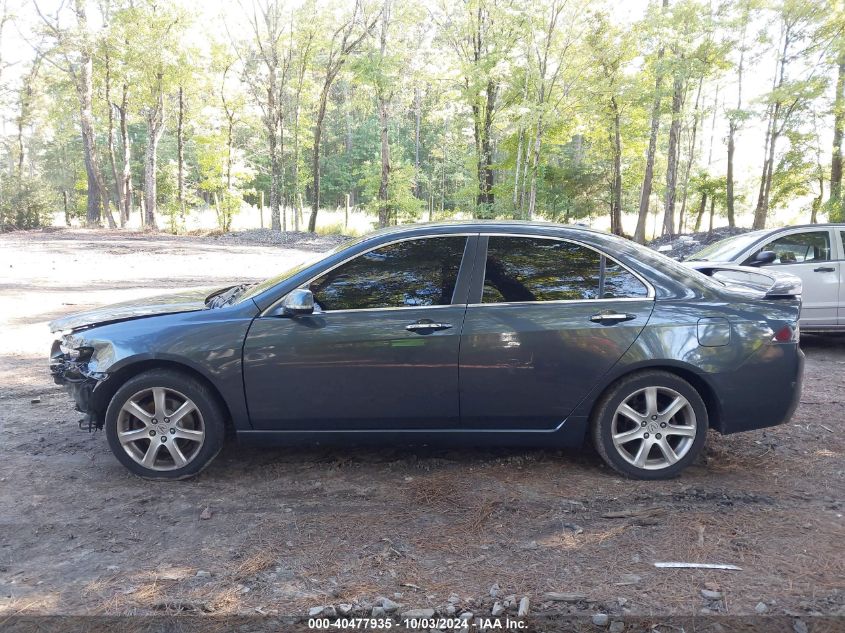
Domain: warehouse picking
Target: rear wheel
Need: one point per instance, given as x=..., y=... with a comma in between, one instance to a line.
x=163, y=424
x=650, y=425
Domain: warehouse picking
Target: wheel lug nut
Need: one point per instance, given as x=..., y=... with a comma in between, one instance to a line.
x=662, y=425
x=152, y=432
x=658, y=436
x=645, y=435
x=654, y=417
x=163, y=439
x=154, y=421
x=644, y=423
x=167, y=420
x=173, y=431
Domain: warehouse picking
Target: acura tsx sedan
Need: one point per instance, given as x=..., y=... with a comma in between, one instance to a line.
x=483, y=333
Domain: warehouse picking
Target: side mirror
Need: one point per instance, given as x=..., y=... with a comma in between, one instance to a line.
x=762, y=258
x=298, y=302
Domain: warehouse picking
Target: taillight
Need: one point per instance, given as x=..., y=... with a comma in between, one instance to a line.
x=787, y=334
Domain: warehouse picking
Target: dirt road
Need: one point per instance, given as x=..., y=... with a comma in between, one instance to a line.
x=289, y=530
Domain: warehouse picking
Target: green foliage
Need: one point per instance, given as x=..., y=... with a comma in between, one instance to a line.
x=455, y=68
x=25, y=203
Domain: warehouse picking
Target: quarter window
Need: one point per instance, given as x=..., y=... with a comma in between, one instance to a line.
x=536, y=269
x=812, y=246
x=407, y=274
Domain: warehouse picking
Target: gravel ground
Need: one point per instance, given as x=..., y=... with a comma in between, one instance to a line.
x=283, y=531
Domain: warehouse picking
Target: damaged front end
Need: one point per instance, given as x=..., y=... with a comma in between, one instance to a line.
x=75, y=365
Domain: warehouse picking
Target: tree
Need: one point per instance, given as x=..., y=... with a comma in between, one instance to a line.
x=798, y=46
x=836, y=205
x=482, y=34
x=267, y=71
x=737, y=116
x=648, y=177
x=74, y=48
x=345, y=40
x=609, y=49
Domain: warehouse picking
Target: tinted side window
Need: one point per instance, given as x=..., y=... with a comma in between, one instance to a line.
x=531, y=269
x=619, y=282
x=536, y=269
x=812, y=246
x=419, y=272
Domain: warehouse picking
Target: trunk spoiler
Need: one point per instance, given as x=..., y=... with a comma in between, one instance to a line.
x=763, y=282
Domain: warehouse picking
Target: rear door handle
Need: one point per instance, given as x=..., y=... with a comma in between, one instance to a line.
x=611, y=318
x=824, y=269
x=427, y=327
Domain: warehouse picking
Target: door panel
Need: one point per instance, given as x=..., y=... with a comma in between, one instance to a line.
x=353, y=370
x=380, y=351
x=529, y=365
x=551, y=317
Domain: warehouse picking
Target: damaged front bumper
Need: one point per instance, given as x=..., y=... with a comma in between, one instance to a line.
x=75, y=374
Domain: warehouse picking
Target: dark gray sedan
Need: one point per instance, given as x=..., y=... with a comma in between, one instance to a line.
x=495, y=333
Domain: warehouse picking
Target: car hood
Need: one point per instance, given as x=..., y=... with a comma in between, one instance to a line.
x=187, y=301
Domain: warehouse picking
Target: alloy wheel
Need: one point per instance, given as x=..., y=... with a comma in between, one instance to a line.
x=653, y=428
x=160, y=428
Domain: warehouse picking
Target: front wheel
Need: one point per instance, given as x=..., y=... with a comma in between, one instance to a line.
x=163, y=424
x=650, y=425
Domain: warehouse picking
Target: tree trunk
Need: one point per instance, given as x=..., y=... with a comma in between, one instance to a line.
x=645, y=192
x=126, y=174
x=837, y=208
x=485, y=163
x=110, y=140
x=616, y=187
x=712, y=209
x=730, y=174
x=155, y=129
x=772, y=135
x=315, y=163
x=97, y=189
x=535, y=164
x=383, y=191
x=180, y=154
x=672, y=158
x=417, y=121
x=690, y=156
x=732, y=129
x=700, y=215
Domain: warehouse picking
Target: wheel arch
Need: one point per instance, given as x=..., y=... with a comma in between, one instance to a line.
x=681, y=370
x=105, y=390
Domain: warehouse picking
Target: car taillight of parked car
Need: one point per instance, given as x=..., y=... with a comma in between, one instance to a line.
x=787, y=334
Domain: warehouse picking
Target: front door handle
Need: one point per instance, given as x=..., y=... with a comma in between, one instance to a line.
x=611, y=318
x=427, y=327
x=824, y=269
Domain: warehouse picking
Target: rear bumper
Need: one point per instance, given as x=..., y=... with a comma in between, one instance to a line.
x=763, y=392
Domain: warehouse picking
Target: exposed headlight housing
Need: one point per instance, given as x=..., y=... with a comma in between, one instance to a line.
x=77, y=353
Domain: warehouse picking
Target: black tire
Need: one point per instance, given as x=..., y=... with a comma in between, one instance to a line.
x=627, y=387
x=210, y=413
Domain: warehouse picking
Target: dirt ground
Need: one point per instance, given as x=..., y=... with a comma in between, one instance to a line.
x=291, y=529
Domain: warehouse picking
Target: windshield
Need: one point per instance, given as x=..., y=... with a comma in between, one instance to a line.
x=726, y=249
x=257, y=289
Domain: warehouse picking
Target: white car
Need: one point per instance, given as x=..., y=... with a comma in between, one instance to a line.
x=813, y=252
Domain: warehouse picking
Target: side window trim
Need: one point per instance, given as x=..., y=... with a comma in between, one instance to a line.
x=481, y=262
x=468, y=250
